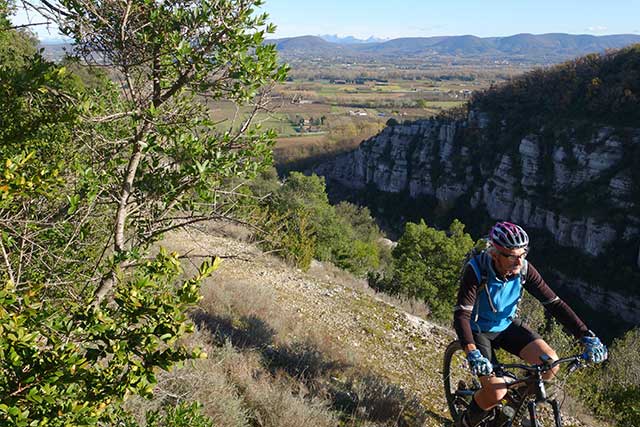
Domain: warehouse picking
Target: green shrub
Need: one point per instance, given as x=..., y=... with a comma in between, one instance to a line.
x=613, y=392
x=65, y=367
x=291, y=235
x=182, y=415
x=426, y=265
x=299, y=224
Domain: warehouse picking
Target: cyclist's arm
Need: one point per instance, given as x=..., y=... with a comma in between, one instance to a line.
x=464, y=307
x=537, y=287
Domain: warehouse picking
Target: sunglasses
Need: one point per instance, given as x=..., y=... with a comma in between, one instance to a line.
x=514, y=258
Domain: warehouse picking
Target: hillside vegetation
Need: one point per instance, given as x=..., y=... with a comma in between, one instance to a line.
x=601, y=88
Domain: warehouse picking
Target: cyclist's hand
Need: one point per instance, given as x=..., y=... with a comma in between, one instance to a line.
x=480, y=365
x=594, y=350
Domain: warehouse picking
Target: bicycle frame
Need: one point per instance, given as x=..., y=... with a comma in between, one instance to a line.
x=536, y=392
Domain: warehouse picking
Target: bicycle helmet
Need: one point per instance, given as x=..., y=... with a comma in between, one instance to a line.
x=508, y=236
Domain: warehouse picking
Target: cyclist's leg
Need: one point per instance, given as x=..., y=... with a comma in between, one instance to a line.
x=484, y=399
x=536, y=349
x=520, y=340
x=493, y=391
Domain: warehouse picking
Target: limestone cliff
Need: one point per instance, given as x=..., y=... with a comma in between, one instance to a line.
x=575, y=184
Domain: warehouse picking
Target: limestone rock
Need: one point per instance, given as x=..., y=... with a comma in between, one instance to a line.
x=429, y=158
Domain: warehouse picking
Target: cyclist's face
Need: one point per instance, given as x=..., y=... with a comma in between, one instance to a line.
x=509, y=261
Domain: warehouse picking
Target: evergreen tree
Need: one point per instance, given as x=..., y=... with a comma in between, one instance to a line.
x=427, y=263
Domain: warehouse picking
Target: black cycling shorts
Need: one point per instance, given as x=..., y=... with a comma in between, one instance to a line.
x=513, y=339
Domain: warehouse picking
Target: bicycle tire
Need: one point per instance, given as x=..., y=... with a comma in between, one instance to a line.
x=456, y=377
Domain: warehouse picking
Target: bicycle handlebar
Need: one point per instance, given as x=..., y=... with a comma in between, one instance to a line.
x=544, y=367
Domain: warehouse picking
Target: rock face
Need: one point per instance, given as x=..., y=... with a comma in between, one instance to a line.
x=624, y=306
x=577, y=187
x=539, y=185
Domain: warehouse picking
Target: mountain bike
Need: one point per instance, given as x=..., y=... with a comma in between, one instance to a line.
x=524, y=393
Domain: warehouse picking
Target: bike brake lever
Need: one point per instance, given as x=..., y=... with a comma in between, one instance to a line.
x=574, y=366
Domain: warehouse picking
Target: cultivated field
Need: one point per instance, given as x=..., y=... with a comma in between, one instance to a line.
x=321, y=111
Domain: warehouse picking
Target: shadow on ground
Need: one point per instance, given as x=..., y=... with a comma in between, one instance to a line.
x=356, y=395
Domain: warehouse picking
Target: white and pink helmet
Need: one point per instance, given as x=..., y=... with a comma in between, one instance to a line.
x=508, y=236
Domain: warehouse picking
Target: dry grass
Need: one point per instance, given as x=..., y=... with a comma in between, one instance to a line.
x=287, y=348
x=267, y=368
x=328, y=272
x=237, y=391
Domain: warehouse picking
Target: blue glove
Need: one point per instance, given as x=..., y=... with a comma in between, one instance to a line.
x=480, y=365
x=594, y=350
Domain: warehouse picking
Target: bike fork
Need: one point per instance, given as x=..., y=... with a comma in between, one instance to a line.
x=556, y=412
x=533, y=415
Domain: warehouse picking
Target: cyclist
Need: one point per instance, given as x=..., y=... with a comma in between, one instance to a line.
x=484, y=317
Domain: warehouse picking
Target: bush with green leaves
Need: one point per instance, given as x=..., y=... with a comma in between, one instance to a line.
x=426, y=265
x=613, y=392
x=182, y=414
x=63, y=367
x=299, y=222
x=92, y=177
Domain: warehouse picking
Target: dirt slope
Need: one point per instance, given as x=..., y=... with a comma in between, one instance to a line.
x=403, y=350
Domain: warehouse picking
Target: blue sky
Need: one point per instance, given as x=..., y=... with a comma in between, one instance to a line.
x=414, y=18
x=484, y=18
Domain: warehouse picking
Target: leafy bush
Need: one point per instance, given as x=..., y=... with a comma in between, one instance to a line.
x=289, y=234
x=426, y=265
x=182, y=415
x=299, y=223
x=64, y=367
x=614, y=391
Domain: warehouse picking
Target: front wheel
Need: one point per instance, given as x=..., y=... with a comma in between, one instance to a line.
x=459, y=383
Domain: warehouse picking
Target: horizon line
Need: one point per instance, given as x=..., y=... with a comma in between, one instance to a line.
x=452, y=35
x=387, y=39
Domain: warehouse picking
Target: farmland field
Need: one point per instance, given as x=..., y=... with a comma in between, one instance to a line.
x=318, y=113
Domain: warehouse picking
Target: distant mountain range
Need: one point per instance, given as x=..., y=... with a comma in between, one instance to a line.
x=334, y=38
x=537, y=48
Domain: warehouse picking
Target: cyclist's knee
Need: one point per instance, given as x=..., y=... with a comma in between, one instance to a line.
x=494, y=389
x=535, y=351
x=552, y=373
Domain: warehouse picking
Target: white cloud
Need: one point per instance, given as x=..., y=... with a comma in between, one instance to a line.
x=597, y=29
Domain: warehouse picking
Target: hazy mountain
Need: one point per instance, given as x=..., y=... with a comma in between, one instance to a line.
x=520, y=47
x=334, y=38
x=402, y=46
x=310, y=46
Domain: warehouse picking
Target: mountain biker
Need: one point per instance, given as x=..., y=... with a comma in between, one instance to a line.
x=484, y=316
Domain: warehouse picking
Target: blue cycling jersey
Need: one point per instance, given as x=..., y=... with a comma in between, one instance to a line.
x=496, y=300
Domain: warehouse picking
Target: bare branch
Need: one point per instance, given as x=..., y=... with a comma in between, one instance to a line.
x=17, y=27
x=115, y=116
x=7, y=262
x=50, y=6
